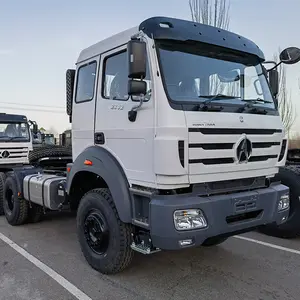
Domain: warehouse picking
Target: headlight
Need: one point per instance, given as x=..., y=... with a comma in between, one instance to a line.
x=189, y=219
x=284, y=202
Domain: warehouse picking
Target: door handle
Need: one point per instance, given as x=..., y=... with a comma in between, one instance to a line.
x=99, y=138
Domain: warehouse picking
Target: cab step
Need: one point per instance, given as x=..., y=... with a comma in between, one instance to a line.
x=143, y=248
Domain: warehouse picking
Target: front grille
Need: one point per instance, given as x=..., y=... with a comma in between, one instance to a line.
x=216, y=161
x=217, y=147
x=234, y=131
x=212, y=146
x=265, y=145
x=14, y=152
x=261, y=158
x=212, y=161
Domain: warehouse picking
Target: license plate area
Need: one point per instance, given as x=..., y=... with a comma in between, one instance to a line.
x=244, y=204
x=244, y=208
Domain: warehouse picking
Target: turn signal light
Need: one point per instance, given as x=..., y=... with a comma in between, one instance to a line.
x=88, y=162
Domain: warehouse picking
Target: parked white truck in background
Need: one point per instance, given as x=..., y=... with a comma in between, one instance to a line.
x=15, y=145
x=15, y=140
x=175, y=136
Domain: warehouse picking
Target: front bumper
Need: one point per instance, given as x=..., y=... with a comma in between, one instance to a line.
x=226, y=215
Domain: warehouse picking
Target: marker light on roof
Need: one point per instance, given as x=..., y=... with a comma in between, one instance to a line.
x=164, y=25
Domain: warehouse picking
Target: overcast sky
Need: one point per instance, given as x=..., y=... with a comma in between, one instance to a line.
x=40, y=39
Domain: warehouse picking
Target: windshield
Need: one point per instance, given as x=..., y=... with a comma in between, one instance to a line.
x=197, y=72
x=18, y=132
x=49, y=140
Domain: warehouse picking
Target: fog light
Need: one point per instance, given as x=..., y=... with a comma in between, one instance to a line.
x=189, y=219
x=185, y=242
x=284, y=202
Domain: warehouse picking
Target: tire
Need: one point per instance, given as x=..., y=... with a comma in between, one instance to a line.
x=35, y=213
x=2, y=182
x=114, y=254
x=48, y=151
x=15, y=209
x=214, y=241
x=289, y=176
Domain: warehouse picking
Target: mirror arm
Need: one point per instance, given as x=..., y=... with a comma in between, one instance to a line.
x=275, y=65
x=133, y=112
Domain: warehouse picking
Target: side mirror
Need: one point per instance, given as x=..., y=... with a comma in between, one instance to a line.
x=290, y=55
x=137, y=56
x=137, y=87
x=274, y=83
x=70, y=78
x=35, y=129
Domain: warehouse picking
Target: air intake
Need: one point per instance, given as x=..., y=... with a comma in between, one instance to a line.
x=282, y=151
x=181, y=152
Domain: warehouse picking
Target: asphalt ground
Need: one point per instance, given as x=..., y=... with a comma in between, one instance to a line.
x=43, y=261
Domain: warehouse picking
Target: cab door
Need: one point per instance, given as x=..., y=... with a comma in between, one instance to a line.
x=131, y=143
x=84, y=106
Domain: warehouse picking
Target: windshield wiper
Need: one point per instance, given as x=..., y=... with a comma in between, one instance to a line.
x=212, y=107
x=217, y=97
x=16, y=137
x=250, y=104
x=257, y=100
x=10, y=138
x=205, y=107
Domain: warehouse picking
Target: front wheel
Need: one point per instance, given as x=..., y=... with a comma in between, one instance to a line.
x=104, y=239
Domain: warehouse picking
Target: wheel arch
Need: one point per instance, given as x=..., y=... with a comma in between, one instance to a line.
x=104, y=171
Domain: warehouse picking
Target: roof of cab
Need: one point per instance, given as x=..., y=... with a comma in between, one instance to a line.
x=175, y=29
x=164, y=28
x=12, y=118
x=107, y=44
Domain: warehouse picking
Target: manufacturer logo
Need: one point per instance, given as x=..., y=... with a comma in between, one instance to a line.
x=241, y=119
x=5, y=154
x=244, y=150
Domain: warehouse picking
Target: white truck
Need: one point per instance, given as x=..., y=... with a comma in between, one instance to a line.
x=176, y=136
x=15, y=145
x=15, y=140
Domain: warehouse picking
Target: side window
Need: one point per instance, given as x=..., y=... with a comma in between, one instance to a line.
x=115, y=78
x=86, y=82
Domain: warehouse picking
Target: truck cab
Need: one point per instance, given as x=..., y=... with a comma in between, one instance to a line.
x=15, y=140
x=206, y=96
x=43, y=139
x=176, y=137
x=187, y=115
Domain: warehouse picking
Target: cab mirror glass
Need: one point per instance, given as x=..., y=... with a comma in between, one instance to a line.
x=290, y=55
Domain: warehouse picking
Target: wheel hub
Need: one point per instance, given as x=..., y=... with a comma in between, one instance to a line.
x=96, y=232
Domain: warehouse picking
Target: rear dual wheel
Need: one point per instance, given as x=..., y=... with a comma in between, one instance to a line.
x=16, y=209
x=2, y=182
